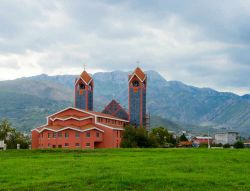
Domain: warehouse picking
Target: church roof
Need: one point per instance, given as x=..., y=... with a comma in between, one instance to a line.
x=139, y=73
x=58, y=128
x=114, y=108
x=86, y=77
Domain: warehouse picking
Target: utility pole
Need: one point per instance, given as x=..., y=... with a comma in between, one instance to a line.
x=208, y=142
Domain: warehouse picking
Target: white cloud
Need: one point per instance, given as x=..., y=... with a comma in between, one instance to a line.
x=196, y=44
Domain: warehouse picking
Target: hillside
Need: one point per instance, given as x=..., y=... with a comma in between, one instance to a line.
x=169, y=102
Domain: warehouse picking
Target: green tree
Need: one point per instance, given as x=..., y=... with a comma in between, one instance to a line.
x=11, y=137
x=239, y=145
x=136, y=137
x=163, y=137
x=5, y=128
x=183, y=137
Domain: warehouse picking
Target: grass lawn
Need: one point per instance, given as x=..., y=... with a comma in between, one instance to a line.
x=126, y=169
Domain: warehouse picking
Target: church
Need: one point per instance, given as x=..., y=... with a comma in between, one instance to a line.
x=81, y=127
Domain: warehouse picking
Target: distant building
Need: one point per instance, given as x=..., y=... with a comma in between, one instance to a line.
x=247, y=144
x=1, y=145
x=226, y=138
x=185, y=144
x=202, y=140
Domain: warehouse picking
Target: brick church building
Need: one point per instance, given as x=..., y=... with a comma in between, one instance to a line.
x=81, y=127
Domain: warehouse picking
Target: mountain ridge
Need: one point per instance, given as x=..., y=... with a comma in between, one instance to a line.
x=170, y=100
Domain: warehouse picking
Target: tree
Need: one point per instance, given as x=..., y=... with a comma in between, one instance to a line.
x=183, y=137
x=11, y=137
x=239, y=145
x=5, y=128
x=163, y=138
x=136, y=137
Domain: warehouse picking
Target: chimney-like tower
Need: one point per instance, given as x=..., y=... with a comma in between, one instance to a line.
x=137, y=98
x=84, y=88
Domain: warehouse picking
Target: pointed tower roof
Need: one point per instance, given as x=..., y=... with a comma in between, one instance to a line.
x=139, y=73
x=86, y=77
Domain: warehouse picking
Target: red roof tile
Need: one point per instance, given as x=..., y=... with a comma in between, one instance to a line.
x=139, y=73
x=86, y=77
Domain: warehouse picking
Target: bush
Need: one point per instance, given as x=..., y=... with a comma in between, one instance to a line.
x=162, y=138
x=226, y=146
x=238, y=145
x=136, y=137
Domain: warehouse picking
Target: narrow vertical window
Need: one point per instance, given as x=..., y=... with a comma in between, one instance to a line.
x=66, y=135
x=77, y=135
x=54, y=135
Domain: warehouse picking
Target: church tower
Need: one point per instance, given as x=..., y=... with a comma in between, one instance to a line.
x=84, y=87
x=137, y=98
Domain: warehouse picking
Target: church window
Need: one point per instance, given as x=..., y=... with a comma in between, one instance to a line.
x=54, y=135
x=60, y=135
x=66, y=144
x=77, y=144
x=87, y=144
x=97, y=134
x=66, y=135
x=48, y=135
x=77, y=135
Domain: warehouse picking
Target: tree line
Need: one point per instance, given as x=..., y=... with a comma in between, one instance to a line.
x=139, y=137
x=11, y=137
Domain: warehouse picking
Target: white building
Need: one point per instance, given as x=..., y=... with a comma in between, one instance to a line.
x=1, y=144
x=226, y=138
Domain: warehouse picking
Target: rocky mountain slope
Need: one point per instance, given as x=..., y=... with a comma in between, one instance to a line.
x=169, y=102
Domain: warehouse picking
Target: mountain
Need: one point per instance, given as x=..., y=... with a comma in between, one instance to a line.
x=171, y=103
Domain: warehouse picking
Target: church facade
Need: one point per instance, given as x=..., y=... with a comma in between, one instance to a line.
x=81, y=127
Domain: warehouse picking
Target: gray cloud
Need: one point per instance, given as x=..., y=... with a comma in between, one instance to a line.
x=203, y=43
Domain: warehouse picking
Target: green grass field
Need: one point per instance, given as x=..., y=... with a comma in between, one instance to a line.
x=126, y=169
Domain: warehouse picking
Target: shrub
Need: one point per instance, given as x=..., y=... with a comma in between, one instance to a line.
x=162, y=137
x=226, y=146
x=136, y=137
x=238, y=145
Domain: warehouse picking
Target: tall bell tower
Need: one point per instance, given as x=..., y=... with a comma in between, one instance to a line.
x=84, y=88
x=137, y=97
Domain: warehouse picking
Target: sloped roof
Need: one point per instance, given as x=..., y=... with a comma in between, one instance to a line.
x=139, y=73
x=61, y=128
x=106, y=115
x=87, y=112
x=86, y=77
x=113, y=108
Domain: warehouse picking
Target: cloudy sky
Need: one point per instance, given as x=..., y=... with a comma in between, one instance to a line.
x=201, y=43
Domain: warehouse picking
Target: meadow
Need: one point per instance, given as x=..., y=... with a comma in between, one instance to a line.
x=125, y=169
